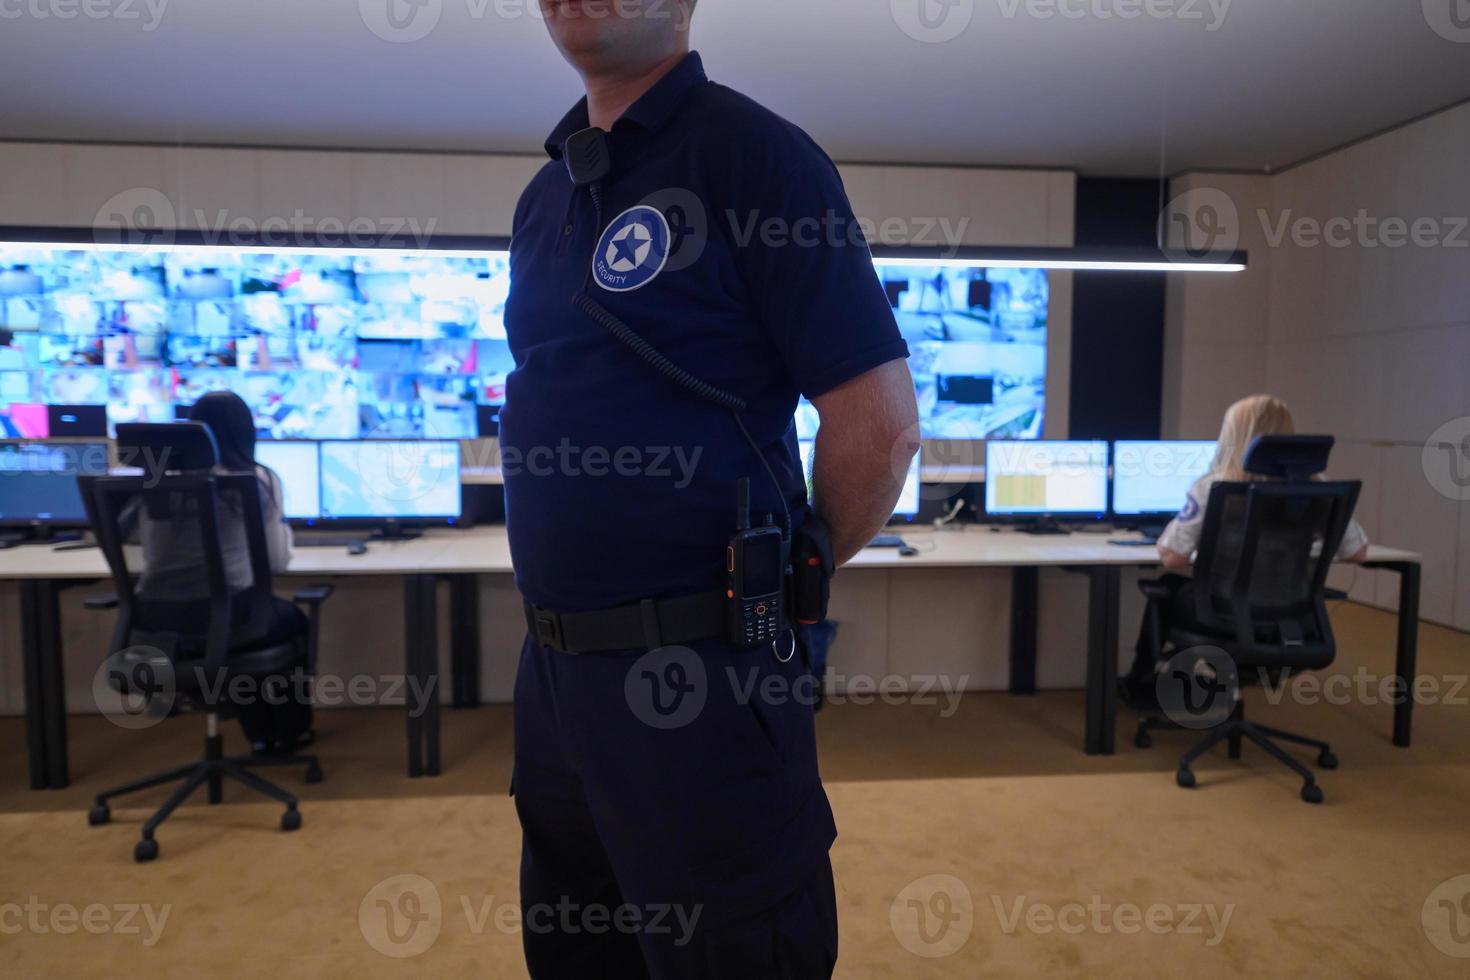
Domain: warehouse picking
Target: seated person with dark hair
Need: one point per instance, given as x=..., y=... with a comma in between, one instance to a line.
x=171, y=562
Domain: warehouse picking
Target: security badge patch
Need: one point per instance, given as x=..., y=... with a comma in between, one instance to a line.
x=1190, y=511
x=632, y=251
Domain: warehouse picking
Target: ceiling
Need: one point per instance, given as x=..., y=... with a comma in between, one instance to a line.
x=1273, y=82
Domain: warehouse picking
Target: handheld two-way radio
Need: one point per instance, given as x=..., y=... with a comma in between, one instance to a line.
x=755, y=563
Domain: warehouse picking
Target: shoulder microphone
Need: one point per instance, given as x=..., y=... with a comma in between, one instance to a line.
x=587, y=156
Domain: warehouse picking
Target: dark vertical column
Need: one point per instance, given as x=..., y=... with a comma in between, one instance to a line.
x=429, y=671
x=1102, y=659
x=1406, y=662
x=1117, y=318
x=464, y=640
x=413, y=637
x=53, y=681
x=36, y=702
x=1025, y=598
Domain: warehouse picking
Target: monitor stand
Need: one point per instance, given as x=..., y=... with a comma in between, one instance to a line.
x=36, y=535
x=1149, y=530
x=1044, y=526
x=1153, y=530
x=394, y=531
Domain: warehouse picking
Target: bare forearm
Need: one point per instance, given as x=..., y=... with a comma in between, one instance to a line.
x=867, y=436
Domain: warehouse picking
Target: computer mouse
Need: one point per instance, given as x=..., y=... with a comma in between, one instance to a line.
x=357, y=548
x=907, y=551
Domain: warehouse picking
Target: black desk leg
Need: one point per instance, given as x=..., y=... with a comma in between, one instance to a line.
x=36, y=702
x=421, y=671
x=45, y=684
x=464, y=640
x=429, y=676
x=1102, y=659
x=1406, y=666
x=413, y=638
x=1025, y=591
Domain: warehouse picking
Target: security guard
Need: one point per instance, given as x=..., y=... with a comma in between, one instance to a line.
x=681, y=241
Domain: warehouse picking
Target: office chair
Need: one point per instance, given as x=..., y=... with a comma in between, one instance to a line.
x=1259, y=592
x=182, y=654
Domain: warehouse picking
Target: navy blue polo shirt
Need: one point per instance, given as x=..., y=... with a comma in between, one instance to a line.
x=726, y=241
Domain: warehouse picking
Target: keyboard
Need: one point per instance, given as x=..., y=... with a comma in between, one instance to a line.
x=320, y=539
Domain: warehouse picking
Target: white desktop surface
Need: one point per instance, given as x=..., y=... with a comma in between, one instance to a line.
x=978, y=546
x=486, y=551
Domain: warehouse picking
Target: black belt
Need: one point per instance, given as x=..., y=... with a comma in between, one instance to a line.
x=649, y=624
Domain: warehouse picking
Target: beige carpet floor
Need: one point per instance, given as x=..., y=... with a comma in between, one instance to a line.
x=1030, y=858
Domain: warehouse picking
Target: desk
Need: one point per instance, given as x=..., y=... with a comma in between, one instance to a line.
x=975, y=546
x=459, y=556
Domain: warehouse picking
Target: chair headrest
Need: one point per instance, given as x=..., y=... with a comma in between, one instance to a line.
x=167, y=446
x=1288, y=457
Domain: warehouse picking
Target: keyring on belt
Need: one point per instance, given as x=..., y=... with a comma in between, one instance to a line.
x=791, y=653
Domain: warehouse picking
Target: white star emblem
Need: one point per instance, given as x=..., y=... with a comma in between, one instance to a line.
x=643, y=244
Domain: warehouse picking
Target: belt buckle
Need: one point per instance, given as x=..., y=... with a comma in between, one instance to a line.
x=548, y=629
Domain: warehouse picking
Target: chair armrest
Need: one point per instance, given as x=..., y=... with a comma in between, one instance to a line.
x=1154, y=588
x=106, y=601
x=313, y=595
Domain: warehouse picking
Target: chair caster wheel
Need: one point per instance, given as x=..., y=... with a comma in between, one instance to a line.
x=145, y=850
x=291, y=820
x=1327, y=761
x=1143, y=740
x=1184, y=778
x=1312, y=793
x=314, y=774
x=99, y=815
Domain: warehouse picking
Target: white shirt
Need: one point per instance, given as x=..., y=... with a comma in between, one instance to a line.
x=1182, y=534
x=173, y=551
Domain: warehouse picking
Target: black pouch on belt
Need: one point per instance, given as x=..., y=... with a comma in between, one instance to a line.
x=812, y=566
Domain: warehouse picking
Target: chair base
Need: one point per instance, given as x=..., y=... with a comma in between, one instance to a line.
x=210, y=772
x=1235, y=731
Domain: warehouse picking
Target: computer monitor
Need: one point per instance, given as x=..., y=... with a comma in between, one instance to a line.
x=299, y=466
x=907, y=507
x=1043, y=479
x=83, y=421
x=391, y=480
x=1153, y=478
x=38, y=482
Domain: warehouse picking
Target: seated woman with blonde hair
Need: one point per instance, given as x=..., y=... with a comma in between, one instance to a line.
x=1247, y=419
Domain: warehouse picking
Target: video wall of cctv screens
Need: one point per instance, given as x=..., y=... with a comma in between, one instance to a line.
x=977, y=347
x=380, y=343
x=322, y=343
